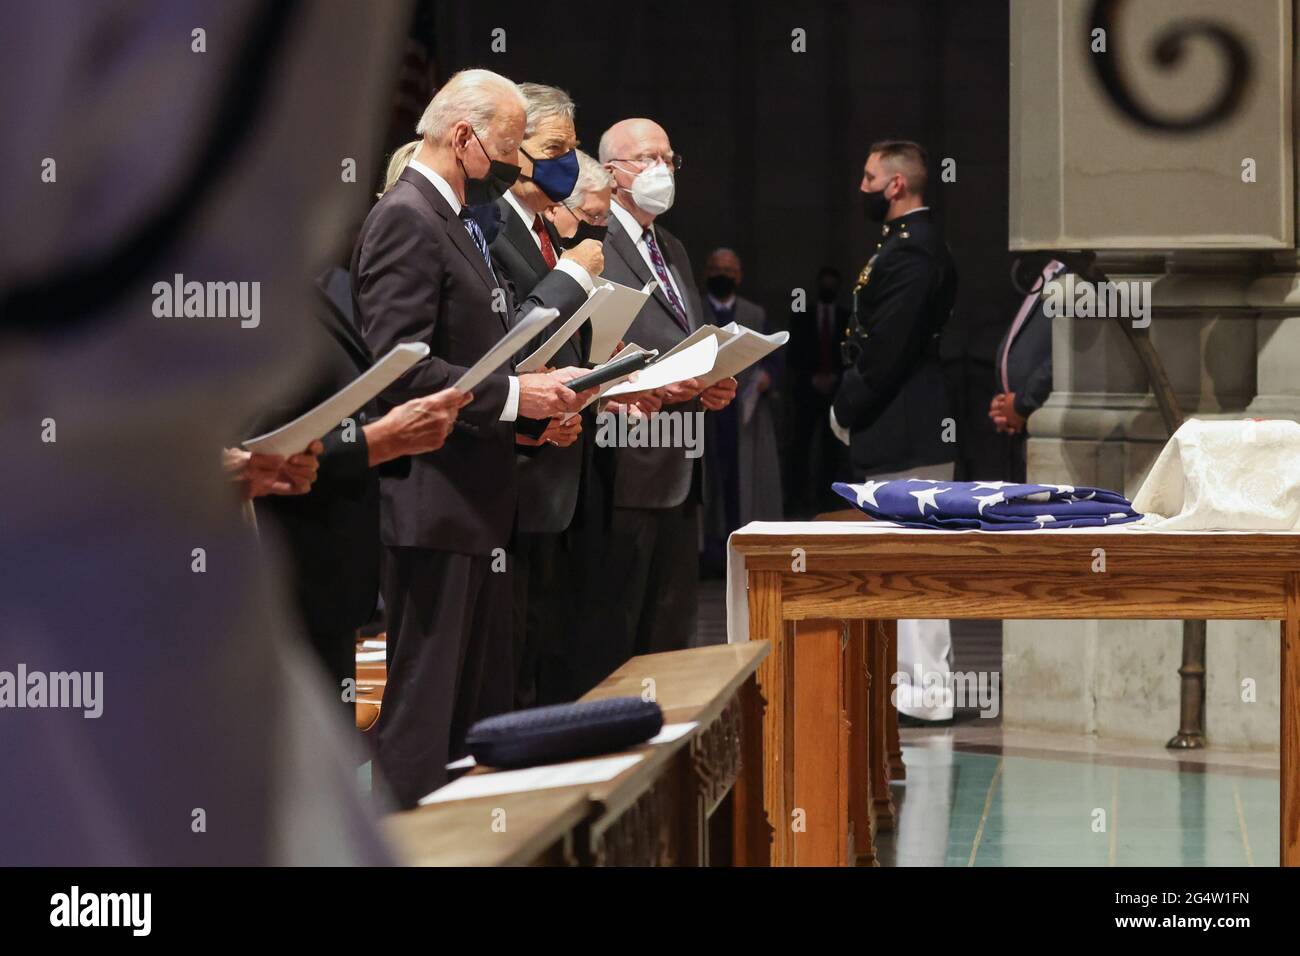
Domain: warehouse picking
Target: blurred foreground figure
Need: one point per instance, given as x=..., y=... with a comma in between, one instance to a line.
x=191, y=729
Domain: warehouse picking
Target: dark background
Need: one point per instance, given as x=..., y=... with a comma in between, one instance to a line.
x=774, y=141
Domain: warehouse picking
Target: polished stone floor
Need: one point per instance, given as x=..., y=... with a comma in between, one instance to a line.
x=981, y=796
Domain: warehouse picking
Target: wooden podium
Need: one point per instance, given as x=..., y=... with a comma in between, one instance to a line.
x=826, y=599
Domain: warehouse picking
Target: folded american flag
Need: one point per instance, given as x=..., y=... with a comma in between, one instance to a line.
x=987, y=505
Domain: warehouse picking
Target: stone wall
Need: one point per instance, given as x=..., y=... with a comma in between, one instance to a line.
x=1225, y=322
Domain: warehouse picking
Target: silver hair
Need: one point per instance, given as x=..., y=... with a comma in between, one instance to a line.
x=470, y=95
x=605, y=149
x=545, y=102
x=592, y=177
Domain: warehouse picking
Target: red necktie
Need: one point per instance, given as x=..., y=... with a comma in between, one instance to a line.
x=548, y=250
x=824, y=328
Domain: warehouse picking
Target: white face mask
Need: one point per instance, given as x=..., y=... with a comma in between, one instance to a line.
x=653, y=189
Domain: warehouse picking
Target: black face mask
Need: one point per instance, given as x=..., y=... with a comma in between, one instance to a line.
x=875, y=206
x=585, y=231
x=500, y=177
x=720, y=286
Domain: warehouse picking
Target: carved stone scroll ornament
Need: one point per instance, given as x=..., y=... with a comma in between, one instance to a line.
x=1168, y=50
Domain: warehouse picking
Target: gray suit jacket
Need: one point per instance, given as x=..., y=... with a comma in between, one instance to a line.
x=654, y=477
x=1029, y=363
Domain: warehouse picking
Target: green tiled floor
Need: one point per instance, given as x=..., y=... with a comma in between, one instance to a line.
x=962, y=809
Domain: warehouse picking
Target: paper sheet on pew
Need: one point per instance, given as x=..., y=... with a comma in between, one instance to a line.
x=578, y=773
x=530, y=326
x=291, y=438
x=666, y=735
x=672, y=368
x=614, y=318
x=552, y=345
x=741, y=350
x=671, y=732
x=371, y=657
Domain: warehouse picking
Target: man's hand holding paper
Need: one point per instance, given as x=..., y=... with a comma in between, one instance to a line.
x=544, y=394
x=415, y=427
x=719, y=395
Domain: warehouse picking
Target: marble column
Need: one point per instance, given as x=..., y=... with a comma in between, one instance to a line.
x=1177, y=212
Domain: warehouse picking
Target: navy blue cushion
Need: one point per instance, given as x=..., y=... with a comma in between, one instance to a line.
x=560, y=732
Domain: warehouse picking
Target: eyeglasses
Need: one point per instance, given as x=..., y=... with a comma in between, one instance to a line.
x=582, y=215
x=647, y=159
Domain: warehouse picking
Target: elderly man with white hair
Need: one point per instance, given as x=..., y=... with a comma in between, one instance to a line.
x=644, y=599
x=422, y=271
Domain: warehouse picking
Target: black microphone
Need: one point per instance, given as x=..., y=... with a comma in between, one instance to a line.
x=612, y=370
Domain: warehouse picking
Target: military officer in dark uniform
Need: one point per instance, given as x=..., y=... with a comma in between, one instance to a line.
x=892, y=407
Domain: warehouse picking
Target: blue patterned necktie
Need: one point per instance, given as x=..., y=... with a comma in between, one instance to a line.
x=476, y=233
x=661, y=273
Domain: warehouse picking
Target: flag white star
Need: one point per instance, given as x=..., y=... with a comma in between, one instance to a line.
x=988, y=484
x=986, y=500
x=1043, y=519
x=867, y=492
x=1063, y=489
x=926, y=497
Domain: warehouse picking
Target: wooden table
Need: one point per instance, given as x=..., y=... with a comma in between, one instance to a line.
x=659, y=811
x=662, y=810
x=807, y=604
x=540, y=828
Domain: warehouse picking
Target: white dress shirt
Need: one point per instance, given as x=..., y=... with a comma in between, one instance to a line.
x=511, y=409
x=567, y=266
x=637, y=235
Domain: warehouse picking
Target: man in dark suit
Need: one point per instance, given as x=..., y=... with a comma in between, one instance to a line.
x=813, y=370
x=644, y=599
x=744, y=467
x=332, y=531
x=892, y=406
x=528, y=248
x=421, y=271
x=1024, y=368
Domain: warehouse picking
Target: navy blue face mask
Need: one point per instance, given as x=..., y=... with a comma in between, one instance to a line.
x=488, y=217
x=555, y=177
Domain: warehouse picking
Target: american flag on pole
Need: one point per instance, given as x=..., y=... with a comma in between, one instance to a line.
x=987, y=505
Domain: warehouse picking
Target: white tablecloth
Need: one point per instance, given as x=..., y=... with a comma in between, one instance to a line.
x=1243, y=475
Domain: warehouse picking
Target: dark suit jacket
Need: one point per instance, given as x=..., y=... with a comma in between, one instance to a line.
x=654, y=477
x=548, y=476
x=804, y=354
x=894, y=399
x=1029, y=364
x=417, y=276
x=332, y=532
